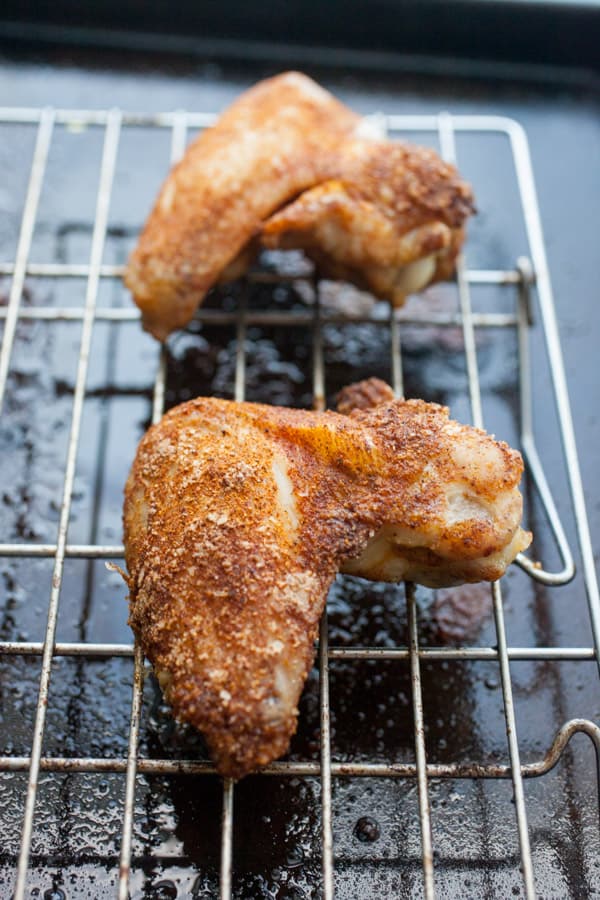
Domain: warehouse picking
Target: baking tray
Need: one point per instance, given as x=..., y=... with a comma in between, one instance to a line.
x=423, y=759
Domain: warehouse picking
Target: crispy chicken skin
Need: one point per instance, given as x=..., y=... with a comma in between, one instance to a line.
x=283, y=137
x=238, y=516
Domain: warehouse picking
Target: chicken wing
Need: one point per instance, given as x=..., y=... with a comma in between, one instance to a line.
x=237, y=517
x=284, y=136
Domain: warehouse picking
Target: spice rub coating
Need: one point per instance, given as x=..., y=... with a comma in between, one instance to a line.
x=237, y=517
x=392, y=221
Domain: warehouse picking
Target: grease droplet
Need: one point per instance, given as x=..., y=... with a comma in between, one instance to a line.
x=164, y=890
x=294, y=857
x=367, y=830
x=54, y=894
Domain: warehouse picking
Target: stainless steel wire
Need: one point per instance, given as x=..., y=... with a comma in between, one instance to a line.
x=415, y=664
x=227, y=840
x=112, y=122
x=431, y=654
x=79, y=270
x=130, y=774
x=319, y=403
x=239, y=394
x=19, y=270
x=66, y=764
x=448, y=148
x=109, y=157
x=420, y=751
x=178, y=141
x=528, y=444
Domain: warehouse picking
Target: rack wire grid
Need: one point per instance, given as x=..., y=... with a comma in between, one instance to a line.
x=522, y=284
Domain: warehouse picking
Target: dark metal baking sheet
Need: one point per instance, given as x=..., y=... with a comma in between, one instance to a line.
x=177, y=819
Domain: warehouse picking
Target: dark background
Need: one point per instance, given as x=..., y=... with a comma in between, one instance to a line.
x=555, y=33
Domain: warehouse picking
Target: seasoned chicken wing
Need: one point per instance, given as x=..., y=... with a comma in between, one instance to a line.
x=237, y=517
x=283, y=137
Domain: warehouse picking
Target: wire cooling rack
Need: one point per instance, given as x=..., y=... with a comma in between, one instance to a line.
x=528, y=278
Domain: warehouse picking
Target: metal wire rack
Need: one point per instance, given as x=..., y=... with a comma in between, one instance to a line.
x=525, y=278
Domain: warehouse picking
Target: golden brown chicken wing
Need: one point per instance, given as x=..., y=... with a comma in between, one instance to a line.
x=238, y=516
x=284, y=136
